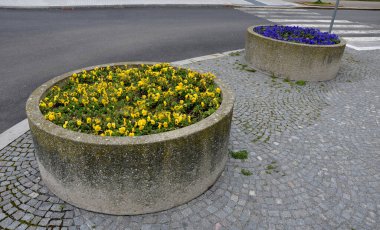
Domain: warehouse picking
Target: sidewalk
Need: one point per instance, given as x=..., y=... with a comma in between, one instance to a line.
x=313, y=151
x=141, y=3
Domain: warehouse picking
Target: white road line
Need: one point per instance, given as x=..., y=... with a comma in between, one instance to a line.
x=327, y=25
x=364, y=47
x=308, y=20
x=292, y=16
x=274, y=10
x=362, y=39
x=356, y=31
x=285, y=13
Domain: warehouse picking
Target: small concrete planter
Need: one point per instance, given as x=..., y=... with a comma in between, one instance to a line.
x=293, y=61
x=130, y=175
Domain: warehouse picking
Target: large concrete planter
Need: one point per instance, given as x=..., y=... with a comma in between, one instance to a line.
x=293, y=61
x=130, y=175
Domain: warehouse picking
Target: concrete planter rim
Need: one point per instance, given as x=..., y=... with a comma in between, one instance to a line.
x=35, y=115
x=251, y=31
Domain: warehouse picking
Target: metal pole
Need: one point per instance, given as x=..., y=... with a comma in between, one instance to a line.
x=334, y=15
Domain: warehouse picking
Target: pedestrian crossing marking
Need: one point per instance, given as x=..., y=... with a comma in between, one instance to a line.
x=354, y=33
x=274, y=10
x=308, y=20
x=327, y=26
x=363, y=47
x=292, y=13
x=292, y=16
x=362, y=39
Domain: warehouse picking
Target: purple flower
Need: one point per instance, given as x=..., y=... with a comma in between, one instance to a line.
x=297, y=34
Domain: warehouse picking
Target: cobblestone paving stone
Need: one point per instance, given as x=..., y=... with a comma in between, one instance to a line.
x=314, y=152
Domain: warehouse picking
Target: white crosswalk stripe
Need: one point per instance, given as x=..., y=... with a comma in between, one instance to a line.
x=292, y=16
x=272, y=10
x=307, y=20
x=356, y=31
x=357, y=35
x=328, y=25
x=286, y=13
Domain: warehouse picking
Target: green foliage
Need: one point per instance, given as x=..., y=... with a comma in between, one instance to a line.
x=242, y=155
x=246, y=172
x=300, y=83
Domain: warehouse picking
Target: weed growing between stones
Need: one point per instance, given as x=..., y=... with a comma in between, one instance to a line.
x=242, y=155
x=234, y=54
x=300, y=83
x=271, y=168
x=246, y=172
x=292, y=83
x=244, y=67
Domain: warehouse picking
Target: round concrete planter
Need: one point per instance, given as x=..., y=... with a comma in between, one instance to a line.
x=130, y=175
x=293, y=61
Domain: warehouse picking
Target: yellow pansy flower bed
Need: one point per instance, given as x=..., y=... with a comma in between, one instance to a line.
x=132, y=101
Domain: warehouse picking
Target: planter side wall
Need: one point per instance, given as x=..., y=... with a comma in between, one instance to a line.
x=125, y=175
x=293, y=61
x=132, y=179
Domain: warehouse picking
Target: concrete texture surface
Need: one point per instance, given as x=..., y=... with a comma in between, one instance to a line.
x=293, y=61
x=130, y=175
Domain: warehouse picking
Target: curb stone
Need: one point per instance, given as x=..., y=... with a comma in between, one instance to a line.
x=182, y=6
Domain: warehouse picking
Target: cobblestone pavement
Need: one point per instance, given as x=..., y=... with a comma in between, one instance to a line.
x=314, y=154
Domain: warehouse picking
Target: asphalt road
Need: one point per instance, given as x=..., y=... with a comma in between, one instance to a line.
x=36, y=45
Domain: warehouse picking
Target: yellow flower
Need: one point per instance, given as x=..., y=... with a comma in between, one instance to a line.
x=217, y=90
x=97, y=120
x=179, y=87
x=104, y=101
x=65, y=125
x=131, y=134
x=51, y=116
x=141, y=123
x=42, y=104
x=165, y=124
x=88, y=120
x=79, y=122
x=202, y=104
x=111, y=125
x=108, y=132
x=50, y=104
x=97, y=128
x=122, y=130
x=181, y=102
x=144, y=112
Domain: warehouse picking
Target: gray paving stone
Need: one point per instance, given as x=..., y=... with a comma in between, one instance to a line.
x=5, y=223
x=313, y=152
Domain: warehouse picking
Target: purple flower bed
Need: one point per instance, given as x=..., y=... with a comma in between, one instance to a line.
x=297, y=34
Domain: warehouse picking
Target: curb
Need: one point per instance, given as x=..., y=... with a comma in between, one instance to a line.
x=310, y=7
x=11, y=134
x=181, y=6
x=125, y=6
